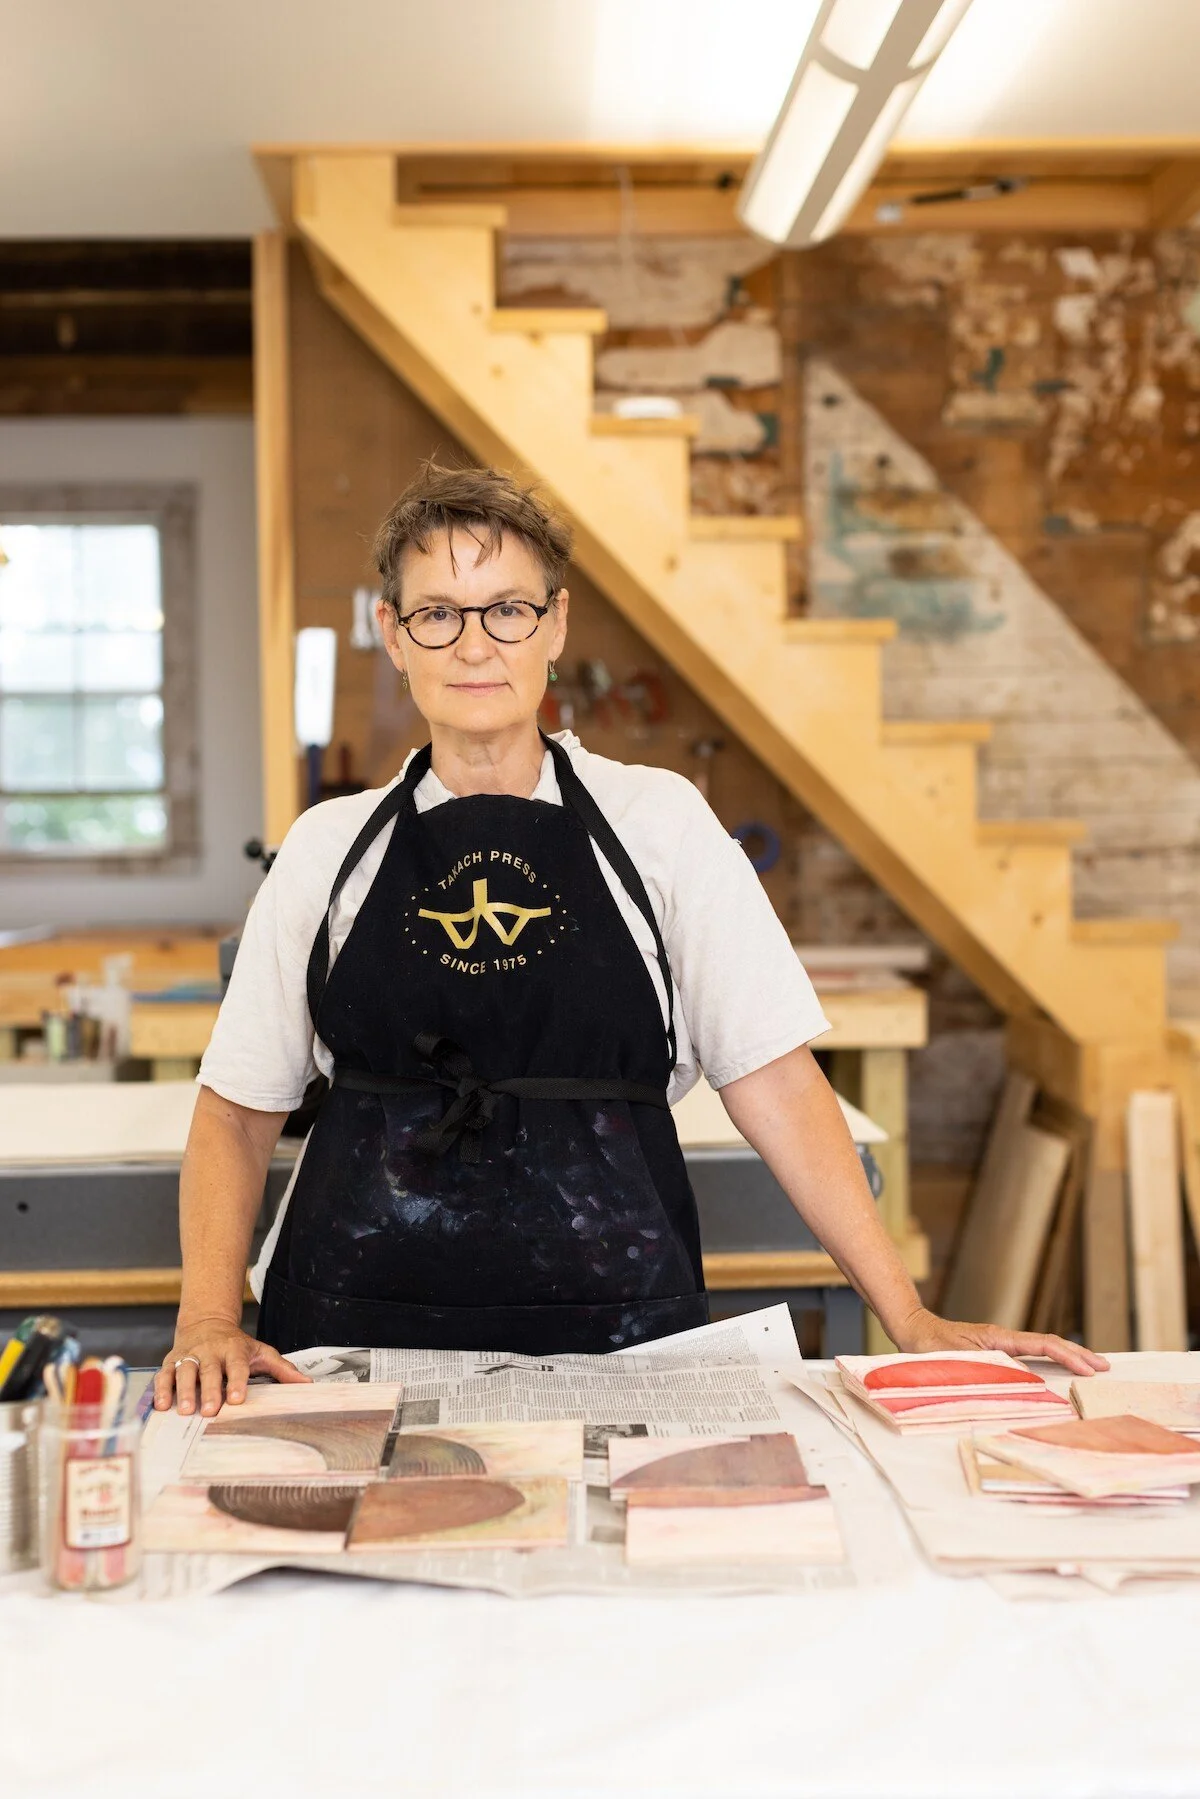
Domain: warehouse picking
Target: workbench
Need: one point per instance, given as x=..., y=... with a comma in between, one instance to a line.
x=94, y=1233
x=173, y=1036
x=301, y=1686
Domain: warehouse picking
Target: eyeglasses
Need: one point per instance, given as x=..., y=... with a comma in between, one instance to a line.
x=507, y=621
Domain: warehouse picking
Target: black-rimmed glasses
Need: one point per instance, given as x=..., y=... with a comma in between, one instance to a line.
x=506, y=621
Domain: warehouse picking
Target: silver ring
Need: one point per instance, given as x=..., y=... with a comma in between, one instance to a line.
x=187, y=1358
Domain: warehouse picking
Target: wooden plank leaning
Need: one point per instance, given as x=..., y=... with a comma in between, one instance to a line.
x=1156, y=1221
x=1053, y=1288
x=968, y=1281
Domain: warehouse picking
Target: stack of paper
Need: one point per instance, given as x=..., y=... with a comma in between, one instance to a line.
x=1173, y=1404
x=1101, y=1457
x=964, y=1529
x=953, y=1387
x=987, y=1476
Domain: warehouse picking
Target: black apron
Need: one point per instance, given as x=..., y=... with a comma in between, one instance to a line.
x=495, y=1165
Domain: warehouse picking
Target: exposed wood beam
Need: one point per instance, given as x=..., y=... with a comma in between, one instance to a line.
x=1076, y=184
x=276, y=548
x=650, y=211
x=1067, y=148
x=1042, y=206
x=67, y=384
x=1175, y=194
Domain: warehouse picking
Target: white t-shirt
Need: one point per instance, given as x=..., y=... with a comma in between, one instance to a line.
x=742, y=998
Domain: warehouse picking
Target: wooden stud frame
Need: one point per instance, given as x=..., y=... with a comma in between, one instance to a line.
x=276, y=547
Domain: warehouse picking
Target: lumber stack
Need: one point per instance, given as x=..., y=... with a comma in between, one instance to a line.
x=1020, y=1255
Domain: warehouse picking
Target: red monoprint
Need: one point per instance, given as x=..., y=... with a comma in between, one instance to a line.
x=937, y=1373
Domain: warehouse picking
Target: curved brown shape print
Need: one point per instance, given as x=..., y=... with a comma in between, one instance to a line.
x=287, y=1505
x=392, y=1511
x=347, y=1442
x=764, y=1470
x=416, y=1457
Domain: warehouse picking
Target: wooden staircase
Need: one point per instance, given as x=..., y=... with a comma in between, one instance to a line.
x=516, y=387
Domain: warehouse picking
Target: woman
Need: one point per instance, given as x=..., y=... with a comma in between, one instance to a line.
x=508, y=963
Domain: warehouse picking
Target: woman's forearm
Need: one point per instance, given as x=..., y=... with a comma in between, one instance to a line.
x=789, y=1113
x=220, y=1191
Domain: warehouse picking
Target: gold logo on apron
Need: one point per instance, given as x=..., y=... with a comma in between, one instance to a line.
x=485, y=911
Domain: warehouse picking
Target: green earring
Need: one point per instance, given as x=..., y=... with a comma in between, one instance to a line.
x=553, y=673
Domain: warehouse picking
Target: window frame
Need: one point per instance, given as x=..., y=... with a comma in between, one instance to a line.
x=172, y=509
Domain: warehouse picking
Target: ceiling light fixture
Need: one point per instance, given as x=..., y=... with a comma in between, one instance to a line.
x=857, y=77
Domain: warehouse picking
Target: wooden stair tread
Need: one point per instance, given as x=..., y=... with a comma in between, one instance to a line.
x=451, y=216
x=1125, y=930
x=803, y=631
x=609, y=424
x=591, y=321
x=936, y=730
x=753, y=526
x=1049, y=831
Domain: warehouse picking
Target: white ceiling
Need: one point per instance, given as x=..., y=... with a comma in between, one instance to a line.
x=135, y=117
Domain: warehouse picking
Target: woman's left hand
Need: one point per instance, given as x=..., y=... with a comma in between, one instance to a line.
x=924, y=1332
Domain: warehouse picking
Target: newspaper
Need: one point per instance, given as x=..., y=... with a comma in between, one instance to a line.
x=724, y=1379
x=705, y=1382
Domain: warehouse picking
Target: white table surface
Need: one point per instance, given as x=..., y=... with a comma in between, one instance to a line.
x=295, y=1685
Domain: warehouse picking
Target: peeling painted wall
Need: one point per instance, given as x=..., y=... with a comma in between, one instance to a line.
x=1001, y=451
x=980, y=639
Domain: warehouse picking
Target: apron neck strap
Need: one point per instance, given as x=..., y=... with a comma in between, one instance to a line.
x=397, y=799
x=577, y=796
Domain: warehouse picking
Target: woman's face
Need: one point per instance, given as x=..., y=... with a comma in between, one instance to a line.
x=475, y=684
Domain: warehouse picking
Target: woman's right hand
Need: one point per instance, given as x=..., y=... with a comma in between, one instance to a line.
x=218, y=1358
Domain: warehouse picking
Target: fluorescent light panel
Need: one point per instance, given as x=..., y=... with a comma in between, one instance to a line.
x=854, y=31
x=811, y=120
x=857, y=77
x=865, y=161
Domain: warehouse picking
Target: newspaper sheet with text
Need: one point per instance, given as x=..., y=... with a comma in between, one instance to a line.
x=729, y=1379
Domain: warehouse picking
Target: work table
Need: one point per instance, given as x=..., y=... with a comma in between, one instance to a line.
x=296, y=1685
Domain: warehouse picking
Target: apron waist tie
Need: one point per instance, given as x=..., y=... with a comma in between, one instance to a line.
x=474, y=1103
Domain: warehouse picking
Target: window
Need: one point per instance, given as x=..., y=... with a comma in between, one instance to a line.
x=96, y=757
